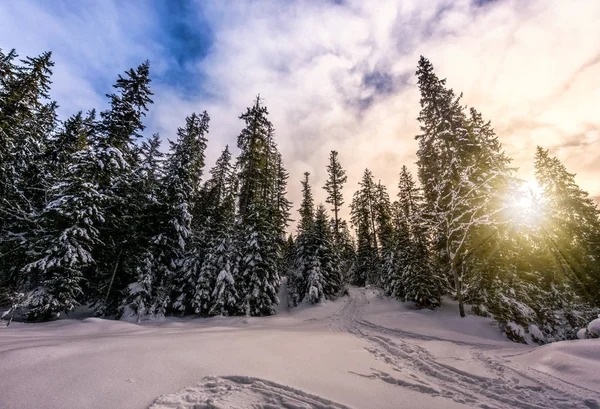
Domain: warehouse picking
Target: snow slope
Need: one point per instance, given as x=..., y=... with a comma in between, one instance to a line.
x=362, y=351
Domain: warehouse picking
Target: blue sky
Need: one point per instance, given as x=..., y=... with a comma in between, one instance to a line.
x=334, y=74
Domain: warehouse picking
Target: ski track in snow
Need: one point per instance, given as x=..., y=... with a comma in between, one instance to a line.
x=242, y=392
x=416, y=368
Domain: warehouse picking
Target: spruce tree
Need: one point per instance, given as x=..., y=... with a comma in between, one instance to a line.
x=419, y=282
x=212, y=249
x=257, y=267
x=333, y=186
x=367, y=259
x=346, y=253
x=570, y=225
x=148, y=198
x=326, y=254
x=225, y=298
x=27, y=122
x=164, y=259
x=385, y=231
x=253, y=145
x=259, y=233
x=304, y=251
x=364, y=218
x=460, y=169
x=70, y=219
x=118, y=157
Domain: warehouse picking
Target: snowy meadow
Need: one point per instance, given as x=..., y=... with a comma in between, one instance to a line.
x=363, y=350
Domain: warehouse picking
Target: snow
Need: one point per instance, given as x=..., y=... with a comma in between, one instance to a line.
x=594, y=327
x=575, y=362
x=361, y=351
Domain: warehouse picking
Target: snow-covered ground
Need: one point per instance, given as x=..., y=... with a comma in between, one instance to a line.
x=362, y=351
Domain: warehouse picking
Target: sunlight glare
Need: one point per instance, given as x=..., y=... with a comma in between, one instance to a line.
x=526, y=203
x=529, y=195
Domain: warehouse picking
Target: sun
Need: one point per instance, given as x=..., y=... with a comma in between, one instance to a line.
x=525, y=205
x=528, y=195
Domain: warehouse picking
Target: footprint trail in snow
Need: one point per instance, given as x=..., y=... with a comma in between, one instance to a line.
x=241, y=392
x=414, y=367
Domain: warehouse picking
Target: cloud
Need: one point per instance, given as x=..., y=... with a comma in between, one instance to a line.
x=338, y=74
x=342, y=77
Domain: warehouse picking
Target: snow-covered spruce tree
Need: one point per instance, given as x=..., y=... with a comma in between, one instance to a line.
x=281, y=210
x=393, y=259
x=303, y=258
x=366, y=263
x=118, y=159
x=314, y=281
x=27, y=122
x=257, y=275
x=347, y=253
x=183, y=170
x=289, y=257
x=489, y=243
x=327, y=259
x=185, y=164
x=419, y=281
x=193, y=290
x=458, y=170
x=139, y=301
x=254, y=148
x=259, y=232
x=333, y=186
x=147, y=195
x=542, y=294
x=225, y=298
x=74, y=135
x=385, y=230
x=363, y=216
x=214, y=274
x=571, y=228
x=70, y=219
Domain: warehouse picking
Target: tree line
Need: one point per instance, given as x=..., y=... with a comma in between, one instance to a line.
x=92, y=213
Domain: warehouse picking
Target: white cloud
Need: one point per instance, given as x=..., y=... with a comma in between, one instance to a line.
x=530, y=67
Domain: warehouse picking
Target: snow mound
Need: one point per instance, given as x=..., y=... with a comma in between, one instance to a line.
x=442, y=324
x=241, y=392
x=577, y=362
x=594, y=328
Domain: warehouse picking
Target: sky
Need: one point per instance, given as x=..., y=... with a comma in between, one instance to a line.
x=334, y=74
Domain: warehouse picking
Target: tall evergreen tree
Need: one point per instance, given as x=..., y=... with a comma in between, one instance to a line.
x=385, y=230
x=118, y=157
x=164, y=258
x=70, y=219
x=364, y=218
x=419, y=281
x=333, y=186
x=27, y=122
x=326, y=256
x=211, y=249
x=254, y=150
x=459, y=168
x=303, y=246
x=570, y=226
x=259, y=235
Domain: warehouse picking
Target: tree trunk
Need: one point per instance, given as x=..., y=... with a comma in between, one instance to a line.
x=458, y=285
x=112, y=278
x=337, y=223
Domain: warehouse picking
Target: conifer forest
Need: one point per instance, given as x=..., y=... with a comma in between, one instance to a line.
x=93, y=211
